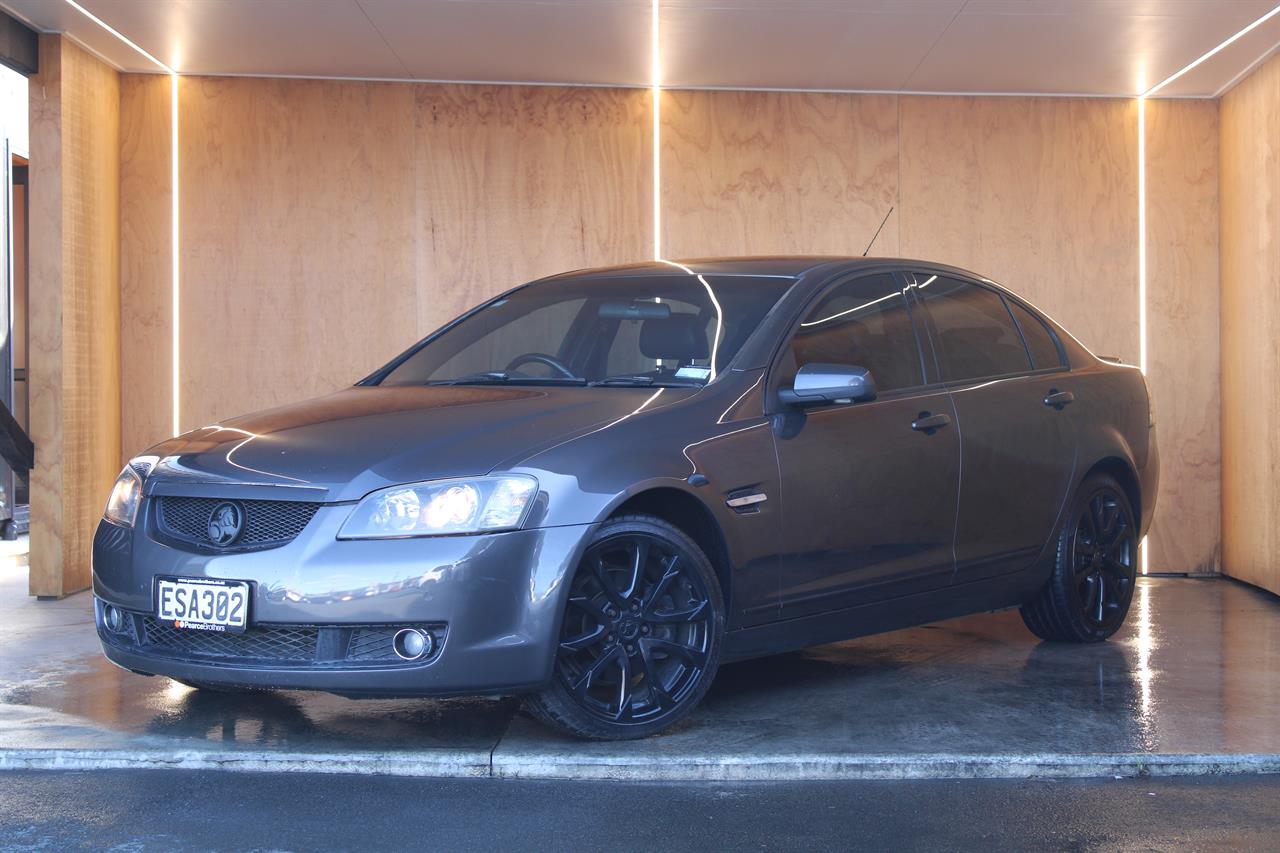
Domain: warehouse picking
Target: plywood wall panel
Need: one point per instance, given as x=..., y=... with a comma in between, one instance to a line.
x=327, y=224
x=515, y=183
x=146, y=304
x=1039, y=194
x=1250, y=140
x=297, y=231
x=758, y=173
x=74, y=309
x=1183, y=372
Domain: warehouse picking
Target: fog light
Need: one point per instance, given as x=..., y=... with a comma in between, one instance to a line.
x=113, y=619
x=411, y=643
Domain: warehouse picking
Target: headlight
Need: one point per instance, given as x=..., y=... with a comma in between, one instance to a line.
x=442, y=507
x=126, y=494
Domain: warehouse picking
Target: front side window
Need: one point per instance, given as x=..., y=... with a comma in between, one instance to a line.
x=975, y=334
x=625, y=330
x=862, y=323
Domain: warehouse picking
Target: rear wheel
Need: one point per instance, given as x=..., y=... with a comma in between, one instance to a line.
x=640, y=639
x=1088, y=594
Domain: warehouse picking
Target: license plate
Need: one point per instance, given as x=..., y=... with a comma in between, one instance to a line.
x=203, y=604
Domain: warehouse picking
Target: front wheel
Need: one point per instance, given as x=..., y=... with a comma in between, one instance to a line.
x=1088, y=594
x=640, y=639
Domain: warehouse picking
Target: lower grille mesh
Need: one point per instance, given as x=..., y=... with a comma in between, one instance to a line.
x=285, y=643
x=317, y=646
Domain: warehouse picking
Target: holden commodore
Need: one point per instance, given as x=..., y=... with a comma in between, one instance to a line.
x=596, y=488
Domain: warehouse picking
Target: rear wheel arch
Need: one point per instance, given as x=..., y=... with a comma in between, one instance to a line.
x=1124, y=474
x=695, y=520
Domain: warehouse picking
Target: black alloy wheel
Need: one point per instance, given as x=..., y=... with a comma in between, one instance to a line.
x=1103, y=552
x=640, y=639
x=1088, y=595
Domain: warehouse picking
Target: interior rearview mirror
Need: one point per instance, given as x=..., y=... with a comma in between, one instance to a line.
x=822, y=384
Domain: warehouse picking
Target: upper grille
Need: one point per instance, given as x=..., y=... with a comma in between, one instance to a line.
x=265, y=522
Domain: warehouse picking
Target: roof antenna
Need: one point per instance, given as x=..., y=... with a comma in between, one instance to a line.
x=878, y=230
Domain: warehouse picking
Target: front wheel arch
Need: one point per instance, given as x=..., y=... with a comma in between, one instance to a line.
x=686, y=512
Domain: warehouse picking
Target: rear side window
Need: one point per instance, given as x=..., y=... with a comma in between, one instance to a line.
x=974, y=331
x=1040, y=341
x=862, y=323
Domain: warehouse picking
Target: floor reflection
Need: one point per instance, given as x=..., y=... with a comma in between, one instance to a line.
x=1196, y=669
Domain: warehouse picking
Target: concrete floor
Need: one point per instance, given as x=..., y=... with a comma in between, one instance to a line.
x=1190, y=685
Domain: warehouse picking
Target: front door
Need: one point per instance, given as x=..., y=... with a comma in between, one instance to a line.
x=868, y=489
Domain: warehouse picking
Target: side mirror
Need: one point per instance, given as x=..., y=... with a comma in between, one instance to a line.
x=821, y=384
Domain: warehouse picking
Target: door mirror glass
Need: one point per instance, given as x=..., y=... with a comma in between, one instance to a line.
x=821, y=384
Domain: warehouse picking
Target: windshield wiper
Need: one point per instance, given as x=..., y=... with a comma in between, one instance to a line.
x=641, y=382
x=501, y=377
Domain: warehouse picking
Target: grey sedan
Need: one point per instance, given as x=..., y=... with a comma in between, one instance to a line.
x=596, y=488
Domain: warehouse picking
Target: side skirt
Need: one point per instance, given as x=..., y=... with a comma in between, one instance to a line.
x=876, y=618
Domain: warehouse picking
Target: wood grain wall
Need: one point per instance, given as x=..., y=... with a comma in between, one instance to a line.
x=1183, y=372
x=325, y=225
x=757, y=173
x=1039, y=194
x=146, y=304
x=74, y=309
x=1250, y=139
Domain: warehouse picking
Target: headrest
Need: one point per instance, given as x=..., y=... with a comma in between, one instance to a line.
x=680, y=337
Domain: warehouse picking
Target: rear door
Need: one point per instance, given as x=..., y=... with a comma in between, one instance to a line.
x=1012, y=396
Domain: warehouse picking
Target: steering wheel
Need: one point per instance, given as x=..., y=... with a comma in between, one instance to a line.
x=542, y=358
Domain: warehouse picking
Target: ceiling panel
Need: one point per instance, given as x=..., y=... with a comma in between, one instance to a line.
x=558, y=41
x=799, y=45
x=303, y=37
x=1084, y=47
x=1224, y=68
x=1102, y=47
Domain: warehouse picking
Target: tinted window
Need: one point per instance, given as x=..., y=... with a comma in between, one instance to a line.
x=677, y=329
x=864, y=323
x=1040, y=341
x=975, y=334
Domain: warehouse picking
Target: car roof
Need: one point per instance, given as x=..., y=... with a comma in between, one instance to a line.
x=779, y=266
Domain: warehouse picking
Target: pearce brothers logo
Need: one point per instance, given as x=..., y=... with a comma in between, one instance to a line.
x=225, y=523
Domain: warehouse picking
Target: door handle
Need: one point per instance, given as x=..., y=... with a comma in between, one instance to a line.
x=929, y=424
x=1058, y=399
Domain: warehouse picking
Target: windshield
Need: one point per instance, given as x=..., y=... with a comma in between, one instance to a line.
x=641, y=330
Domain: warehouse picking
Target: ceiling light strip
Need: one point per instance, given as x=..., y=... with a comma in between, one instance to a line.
x=175, y=282
x=121, y=36
x=1212, y=53
x=655, y=59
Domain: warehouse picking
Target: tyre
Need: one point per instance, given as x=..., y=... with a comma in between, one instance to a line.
x=641, y=634
x=1095, y=568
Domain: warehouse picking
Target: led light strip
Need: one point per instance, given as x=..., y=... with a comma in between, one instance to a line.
x=1142, y=197
x=175, y=207
x=175, y=283
x=655, y=58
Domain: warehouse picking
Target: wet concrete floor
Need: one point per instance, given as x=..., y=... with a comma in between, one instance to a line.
x=1195, y=670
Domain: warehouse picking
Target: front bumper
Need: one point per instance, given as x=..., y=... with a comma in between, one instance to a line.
x=492, y=601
